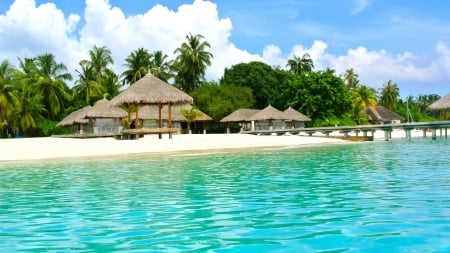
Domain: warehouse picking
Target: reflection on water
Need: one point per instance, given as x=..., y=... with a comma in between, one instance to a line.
x=377, y=196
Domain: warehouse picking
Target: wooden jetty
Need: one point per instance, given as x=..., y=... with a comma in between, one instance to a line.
x=434, y=126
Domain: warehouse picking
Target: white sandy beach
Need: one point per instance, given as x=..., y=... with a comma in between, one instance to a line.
x=57, y=148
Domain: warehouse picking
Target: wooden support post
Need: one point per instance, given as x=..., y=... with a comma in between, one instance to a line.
x=160, y=120
x=433, y=133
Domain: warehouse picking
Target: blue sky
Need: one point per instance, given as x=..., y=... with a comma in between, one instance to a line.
x=407, y=42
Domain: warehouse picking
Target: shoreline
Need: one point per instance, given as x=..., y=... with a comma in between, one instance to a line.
x=55, y=148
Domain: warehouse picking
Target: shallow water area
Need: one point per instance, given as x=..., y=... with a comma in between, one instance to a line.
x=372, y=197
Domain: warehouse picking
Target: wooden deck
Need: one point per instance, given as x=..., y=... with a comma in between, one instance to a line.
x=135, y=133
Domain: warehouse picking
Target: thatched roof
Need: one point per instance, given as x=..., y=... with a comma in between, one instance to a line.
x=382, y=114
x=151, y=90
x=240, y=115
x=75, y=117
x=104, y=109
x=152, y=112
x=292, y=114
x=441, y=104
x=268, y=113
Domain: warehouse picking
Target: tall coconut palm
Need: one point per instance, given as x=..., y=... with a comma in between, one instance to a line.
x=29, y=109
x=351, y=79
x=48, y=78
x=8, y=98
x=300, y=65
x=159, y=66
x=137, y=64
x=191, y=62
x=86, y=87
x=364, y=96
x=100, y=59
x=389, y=95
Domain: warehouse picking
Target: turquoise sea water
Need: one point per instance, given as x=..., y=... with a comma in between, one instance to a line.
x=367, y=197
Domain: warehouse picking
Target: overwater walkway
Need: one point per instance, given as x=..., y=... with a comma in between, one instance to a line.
x=366, y=130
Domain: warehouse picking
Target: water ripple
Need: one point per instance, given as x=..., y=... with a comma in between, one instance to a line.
x=370, y=197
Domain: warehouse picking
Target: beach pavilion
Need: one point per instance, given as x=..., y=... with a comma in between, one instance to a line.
x=265, y=118
x=295, y=118
x=77, y=118
x=150, y=90
x=240, y=116
x=106, y=118
x=442, y=104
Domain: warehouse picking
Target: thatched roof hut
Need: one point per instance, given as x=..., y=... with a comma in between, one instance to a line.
x=104, y=109
x=240, y=115
x=441, y=104
x=151, y=90
x=381, y=114
x=268, y=113
x=76, y=117
x=293, y=115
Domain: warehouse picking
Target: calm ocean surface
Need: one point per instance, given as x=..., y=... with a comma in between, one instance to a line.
x=367, y=197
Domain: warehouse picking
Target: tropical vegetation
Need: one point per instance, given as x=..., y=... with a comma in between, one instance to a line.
x=40, y=91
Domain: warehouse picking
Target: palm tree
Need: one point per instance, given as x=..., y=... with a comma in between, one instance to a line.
x=364, y=96
x=29, y=110
x=389, y=95
x=100, y=59
x=191, y=62
x=137, y=64
x=159, y=66
x=48, y=78
x=190, y=114
x=300, y=65
x=351, y=79
x=86, y=87
x=8, y=98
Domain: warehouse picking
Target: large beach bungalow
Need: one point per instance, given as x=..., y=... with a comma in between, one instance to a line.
x=106, y=118
x=269, y=118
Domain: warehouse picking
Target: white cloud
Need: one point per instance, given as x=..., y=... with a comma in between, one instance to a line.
x=359, y=6
x=27, y=30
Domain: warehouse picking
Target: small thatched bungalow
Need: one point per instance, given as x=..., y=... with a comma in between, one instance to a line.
x=382, y=115
x=76, y=118
x=106, y=118
x=442, y=104
x=269, y=118
x=241, y=117
x=294, y=118
x=150, y=90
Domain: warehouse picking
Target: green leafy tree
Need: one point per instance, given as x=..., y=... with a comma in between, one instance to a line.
x=259, y=77
x=300, y=65
x=321, y=95
x=137, y=66
x=389, y=95
x=191, y=61
x=220, y=100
